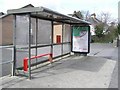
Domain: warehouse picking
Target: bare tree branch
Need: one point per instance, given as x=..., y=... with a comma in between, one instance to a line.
x=105, y=17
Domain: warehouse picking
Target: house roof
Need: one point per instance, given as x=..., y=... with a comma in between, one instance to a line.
x=2, y=15
x=93, y=20
x=27, y=6
x=42, y=12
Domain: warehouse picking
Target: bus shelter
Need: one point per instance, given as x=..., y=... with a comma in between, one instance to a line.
x=39, y=31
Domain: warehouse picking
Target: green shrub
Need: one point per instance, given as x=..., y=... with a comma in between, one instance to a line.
x=99, y=30
x=103, y=39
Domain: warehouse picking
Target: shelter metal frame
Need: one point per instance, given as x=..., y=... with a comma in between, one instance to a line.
x=44, y=14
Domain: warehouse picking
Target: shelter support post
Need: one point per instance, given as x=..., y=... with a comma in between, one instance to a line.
x=62, y=39
x=52, y=37
x=14, y=47
x=29, y=56
x=36, y=38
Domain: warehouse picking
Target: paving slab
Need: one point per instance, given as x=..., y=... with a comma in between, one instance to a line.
x=71, y=72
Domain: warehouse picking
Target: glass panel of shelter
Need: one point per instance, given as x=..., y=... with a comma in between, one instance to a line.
x=41, y=34
x=21, y=39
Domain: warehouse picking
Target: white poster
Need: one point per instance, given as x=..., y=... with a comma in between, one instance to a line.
x=80, y=39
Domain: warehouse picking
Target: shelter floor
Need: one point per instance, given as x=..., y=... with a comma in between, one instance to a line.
x=70, y=72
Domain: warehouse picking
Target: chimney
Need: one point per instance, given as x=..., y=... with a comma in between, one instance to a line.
x=93, y=15
x=1, y=13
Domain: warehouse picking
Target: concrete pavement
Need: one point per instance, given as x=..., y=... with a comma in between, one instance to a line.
x=98, y=70
x=72, y=72
x=109, y=51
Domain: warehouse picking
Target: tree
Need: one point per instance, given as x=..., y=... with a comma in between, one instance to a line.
x=99, y=30
x=104, y=17
x=118, y=27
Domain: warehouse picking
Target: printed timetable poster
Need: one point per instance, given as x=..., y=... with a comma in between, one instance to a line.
x=80, y=39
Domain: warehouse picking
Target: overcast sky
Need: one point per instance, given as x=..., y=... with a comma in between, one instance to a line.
x=66, y=6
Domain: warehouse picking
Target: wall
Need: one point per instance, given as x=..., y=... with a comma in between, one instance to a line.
x=92, y=29
x=7, y=30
